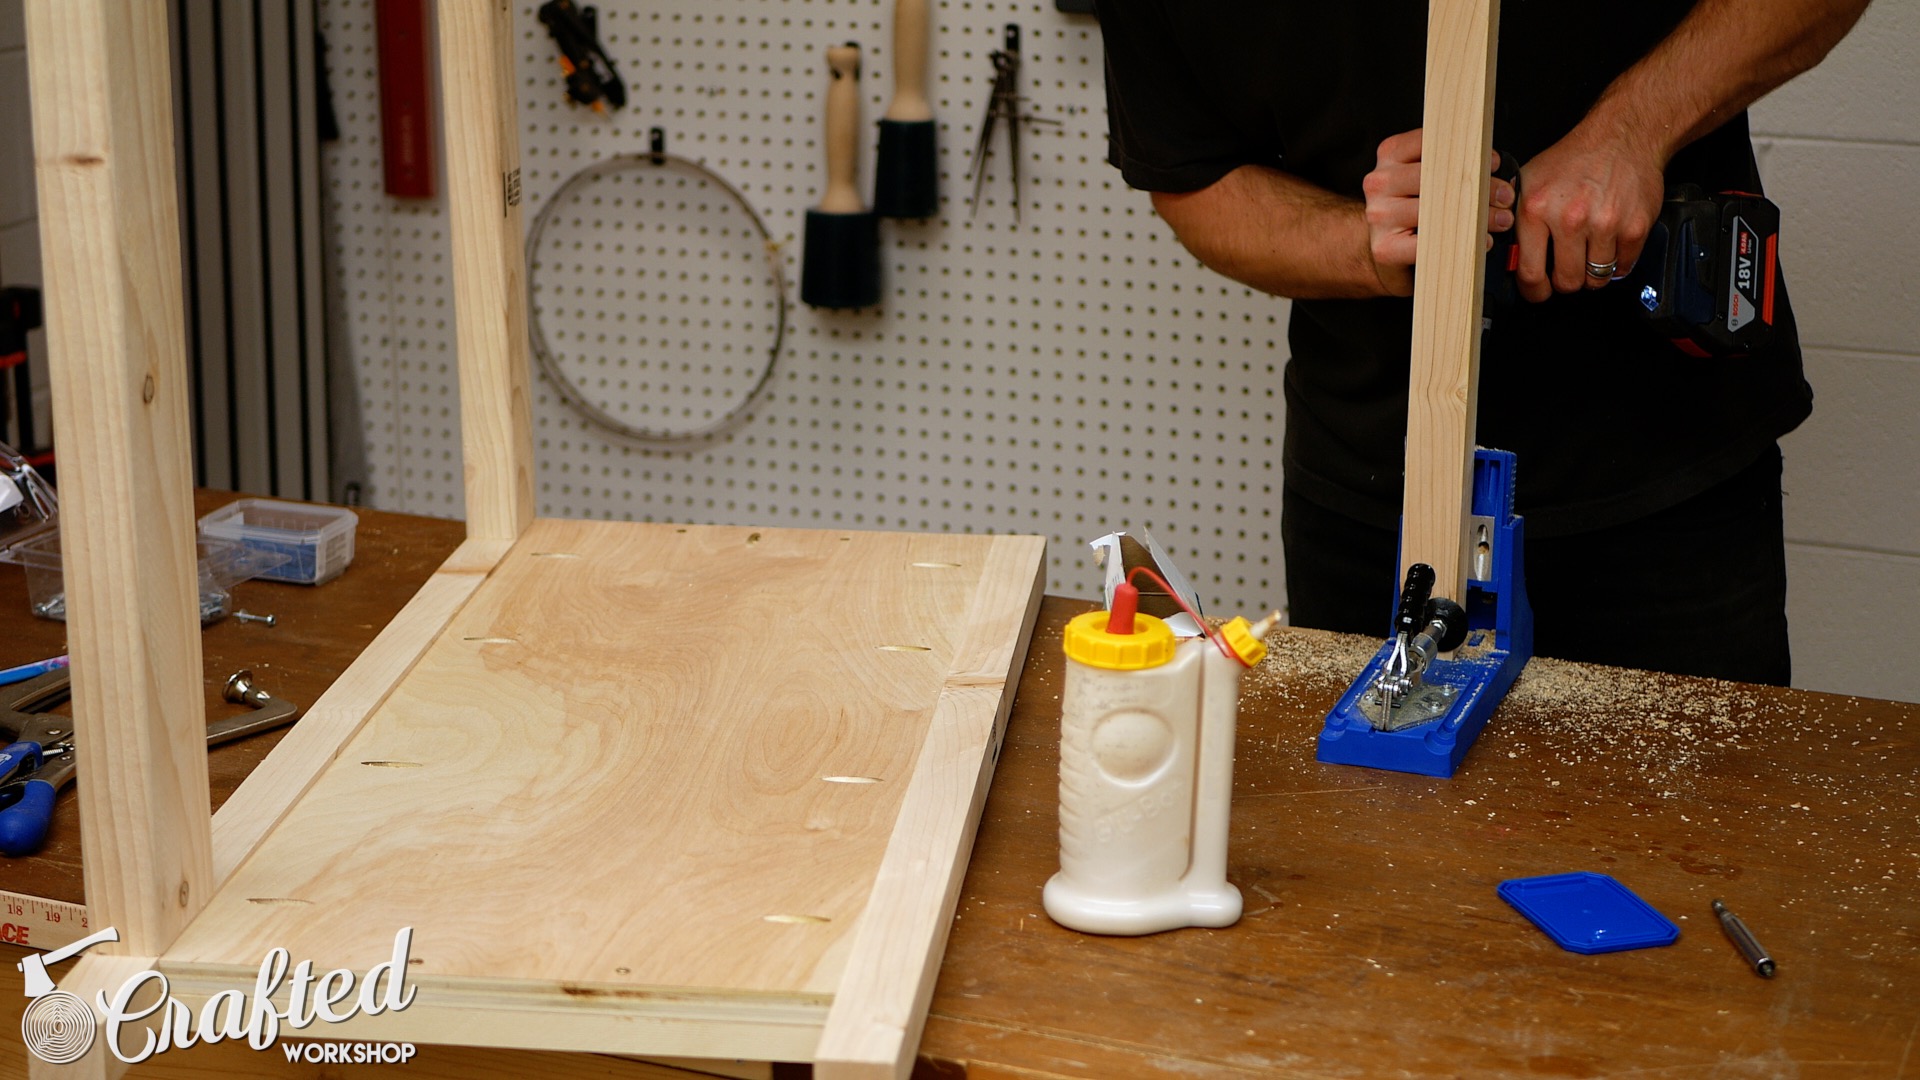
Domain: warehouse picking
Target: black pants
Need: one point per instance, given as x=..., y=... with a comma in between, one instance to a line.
x=1696, y=589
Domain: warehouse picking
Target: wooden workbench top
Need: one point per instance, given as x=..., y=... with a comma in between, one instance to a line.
x=1373, y=942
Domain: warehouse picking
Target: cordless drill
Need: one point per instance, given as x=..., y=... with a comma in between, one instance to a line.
x=1706, y=279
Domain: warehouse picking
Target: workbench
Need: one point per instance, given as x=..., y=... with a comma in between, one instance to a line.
x=1373, y=942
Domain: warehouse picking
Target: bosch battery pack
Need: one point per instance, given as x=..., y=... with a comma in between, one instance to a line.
x=1709, y=273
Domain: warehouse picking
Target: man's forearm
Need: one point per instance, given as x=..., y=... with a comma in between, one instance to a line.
x=1724, y=56
x=1276, y=233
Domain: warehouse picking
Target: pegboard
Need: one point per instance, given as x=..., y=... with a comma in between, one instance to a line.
x=1067, y=374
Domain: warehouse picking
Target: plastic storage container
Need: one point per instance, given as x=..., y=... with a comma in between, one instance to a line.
x=317, y=540
x=28, y=506
x=222, y=565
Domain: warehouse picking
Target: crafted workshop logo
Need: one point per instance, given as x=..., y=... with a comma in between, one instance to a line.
x=59, y=1027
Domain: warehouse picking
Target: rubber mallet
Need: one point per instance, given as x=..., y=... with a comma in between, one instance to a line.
x=906, y=173
x=841, y=265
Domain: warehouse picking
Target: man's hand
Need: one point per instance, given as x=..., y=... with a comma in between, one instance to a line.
x=1393, y=210
x=1594, y=194
x=1597, y=191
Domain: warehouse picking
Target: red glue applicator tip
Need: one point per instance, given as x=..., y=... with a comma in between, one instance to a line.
x=1126, y=601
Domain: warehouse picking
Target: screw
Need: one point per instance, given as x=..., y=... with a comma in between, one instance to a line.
x=248, y=616
x=240, y=689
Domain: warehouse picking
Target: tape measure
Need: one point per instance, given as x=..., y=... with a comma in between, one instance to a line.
x=38, y=923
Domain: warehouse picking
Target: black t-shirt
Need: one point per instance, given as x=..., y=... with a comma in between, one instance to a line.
x=1608, y=422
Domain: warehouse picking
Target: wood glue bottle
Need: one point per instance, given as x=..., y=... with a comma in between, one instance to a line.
x=1146, y=772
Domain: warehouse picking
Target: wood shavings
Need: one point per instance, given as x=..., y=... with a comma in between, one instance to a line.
x=1660, y=726
x=1307, y=665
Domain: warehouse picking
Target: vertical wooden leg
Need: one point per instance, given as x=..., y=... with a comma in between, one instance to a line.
x=489, y=265
x=110, y=244
x=1462, y=36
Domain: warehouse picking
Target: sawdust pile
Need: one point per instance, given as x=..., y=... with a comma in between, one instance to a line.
x=1660, y=724
x=1656, y=731
x=1307, y=666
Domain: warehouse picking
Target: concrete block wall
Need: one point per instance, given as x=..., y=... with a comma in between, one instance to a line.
x=1840, y=152
x=19, y=232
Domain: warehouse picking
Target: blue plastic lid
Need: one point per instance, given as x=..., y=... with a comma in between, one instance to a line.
x=1589, y=913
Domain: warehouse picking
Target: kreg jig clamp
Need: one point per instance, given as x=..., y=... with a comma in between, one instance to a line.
x=1413, y=710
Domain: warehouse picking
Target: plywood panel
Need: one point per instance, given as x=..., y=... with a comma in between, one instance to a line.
x=641, y=758
x=329, y=722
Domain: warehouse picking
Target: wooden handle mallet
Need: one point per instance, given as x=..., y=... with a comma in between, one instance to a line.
x=840, y=267
x=906, y=172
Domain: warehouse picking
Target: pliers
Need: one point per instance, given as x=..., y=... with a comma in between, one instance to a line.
x=40, y=760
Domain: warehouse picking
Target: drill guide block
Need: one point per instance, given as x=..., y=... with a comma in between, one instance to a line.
x=1499, y=643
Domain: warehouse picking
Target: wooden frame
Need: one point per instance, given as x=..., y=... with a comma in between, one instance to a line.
x=174, y=879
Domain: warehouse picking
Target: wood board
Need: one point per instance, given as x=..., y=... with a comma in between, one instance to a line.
x=1443, y=386
x=652, y=715
x=110, y=241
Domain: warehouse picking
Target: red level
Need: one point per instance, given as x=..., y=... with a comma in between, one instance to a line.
x=406, y=97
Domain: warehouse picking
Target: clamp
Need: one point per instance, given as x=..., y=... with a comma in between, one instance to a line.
x=591, y=78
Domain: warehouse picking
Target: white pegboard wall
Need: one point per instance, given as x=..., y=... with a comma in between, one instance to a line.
x=1065, y=374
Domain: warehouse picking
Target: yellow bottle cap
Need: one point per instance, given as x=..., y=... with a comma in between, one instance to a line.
x=1150, y=645
x=1239, y=634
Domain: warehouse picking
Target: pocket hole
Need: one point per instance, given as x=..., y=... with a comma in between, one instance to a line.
x=392, y=764
x=906, y=648
x=796, y=920
x=492, y=640
x=279, y=901
x=938, y=565
x=555, y=555
x=851, y=779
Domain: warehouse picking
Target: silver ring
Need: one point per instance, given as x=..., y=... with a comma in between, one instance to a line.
x=1603, y=270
